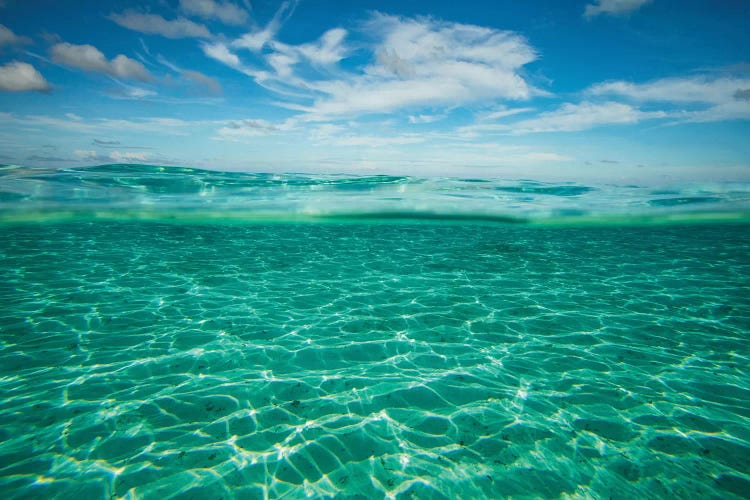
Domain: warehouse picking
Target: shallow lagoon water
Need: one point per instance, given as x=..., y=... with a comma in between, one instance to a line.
x=557, y=348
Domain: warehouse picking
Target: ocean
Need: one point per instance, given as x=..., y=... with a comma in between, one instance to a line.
x=181, y=333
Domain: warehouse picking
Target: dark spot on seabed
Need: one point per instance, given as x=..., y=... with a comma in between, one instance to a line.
x=295, y=403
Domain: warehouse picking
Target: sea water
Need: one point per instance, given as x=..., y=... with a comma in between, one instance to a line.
x=177, y=333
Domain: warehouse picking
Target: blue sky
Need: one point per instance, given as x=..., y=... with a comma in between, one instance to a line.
x=617, y=90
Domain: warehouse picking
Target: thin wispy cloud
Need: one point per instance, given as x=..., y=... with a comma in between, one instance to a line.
x=721, y=96
x=418, y=119
x=613, y=7
x=256, y=39
x=583, y=116
x=202, y=81
x=415, y=62
x=95, y=126
x=695, y=89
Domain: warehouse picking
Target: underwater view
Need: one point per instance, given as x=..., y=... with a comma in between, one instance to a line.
x=180, y=333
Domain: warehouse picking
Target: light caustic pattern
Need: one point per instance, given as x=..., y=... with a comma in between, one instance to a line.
x=146, y=360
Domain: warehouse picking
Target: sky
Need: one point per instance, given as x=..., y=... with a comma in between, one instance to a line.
x=613, y=90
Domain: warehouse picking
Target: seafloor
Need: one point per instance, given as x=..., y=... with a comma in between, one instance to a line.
x=151, y=360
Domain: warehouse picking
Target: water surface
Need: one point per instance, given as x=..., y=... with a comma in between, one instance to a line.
x=188, y=334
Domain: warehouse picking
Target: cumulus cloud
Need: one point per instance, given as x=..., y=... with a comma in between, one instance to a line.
x=153, y=24
x=226, y=12
x=89, y=58
x=613, y=7
x=21, y=77
x=7, y=37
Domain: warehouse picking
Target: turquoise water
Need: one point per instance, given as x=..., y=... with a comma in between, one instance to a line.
x=174, y=333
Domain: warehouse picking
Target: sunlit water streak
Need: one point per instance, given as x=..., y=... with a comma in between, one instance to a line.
x=529, y=340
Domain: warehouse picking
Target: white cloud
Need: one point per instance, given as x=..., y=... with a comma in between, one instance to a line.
x=327, y=50
x=85, y=154
x=125, y=67
x=89, y=58
x=7, y=37
x=613, y=7
x=503, y=112
x=226, y=12
x=586, y=115
x=239, y=130
x=377, y=141
x=204, y=82
x=157, y=25
x=90, y=155
x=486, y=122
x=722, y=95
x=211, y=85
x=131, y=92
x=166, y=126
x=126, y=157
x=372, y=141
x=698, y=89
x=739, y=110
x=324, y=131
x=415, y=63
x=257, y=39
x=221, y=53
x=421, y=62
x=416, y=119
x=20, y=77
x=542, y=156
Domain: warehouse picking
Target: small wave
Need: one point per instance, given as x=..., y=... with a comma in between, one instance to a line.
x=548, y=190
x=673, y=202
x=152, y=192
